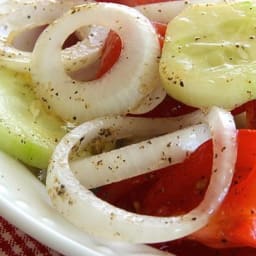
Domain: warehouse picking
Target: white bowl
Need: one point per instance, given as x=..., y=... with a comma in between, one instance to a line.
x=25, y=204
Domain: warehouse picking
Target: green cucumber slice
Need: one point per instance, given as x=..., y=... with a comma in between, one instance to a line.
x=209, y=55
x=27, y=131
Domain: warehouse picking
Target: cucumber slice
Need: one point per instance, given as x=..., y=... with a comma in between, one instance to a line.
x=27, y=131
x=209, y=55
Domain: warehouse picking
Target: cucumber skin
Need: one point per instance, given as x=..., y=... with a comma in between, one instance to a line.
x=204, y=61
x=27, y=131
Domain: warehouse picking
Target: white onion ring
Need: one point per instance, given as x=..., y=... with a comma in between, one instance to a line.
x=162, y=12
x=150, y=101
x=85, y=210
x=119, y=127
x=150, y=155
x=134, y=76
x=18, y=17
x=26, y=40
x=166, y=11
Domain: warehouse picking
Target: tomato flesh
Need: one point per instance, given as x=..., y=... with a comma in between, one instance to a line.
x=179, y=188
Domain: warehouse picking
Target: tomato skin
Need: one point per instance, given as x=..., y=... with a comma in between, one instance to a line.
x=128, y=194
x=179, y=188
x=149, y=193
x=169, y=107
x=166, y=196
x=185, y=247
x=233, y=226
x=250, y=108
x=110, y=53
x=160, y=30
x=235, y=222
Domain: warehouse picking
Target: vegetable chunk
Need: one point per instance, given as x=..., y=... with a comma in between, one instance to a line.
x=209, y=55
x=28, y=132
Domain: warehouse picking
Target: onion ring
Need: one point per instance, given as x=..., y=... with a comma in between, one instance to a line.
x=166, y=11
x=81, y=207
x=19, y=16
x=150, y=155
x=138, y=127
x=150, y=101
x=80, y=101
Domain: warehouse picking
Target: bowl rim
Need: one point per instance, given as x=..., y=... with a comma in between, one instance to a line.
x=25, y=204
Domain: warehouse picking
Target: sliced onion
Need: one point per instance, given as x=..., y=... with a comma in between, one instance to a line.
x=94, y=33
x=85, y=210
x=163, y=11
x=20, y=19
x=25, y=41
x=134, y=76
x=115, y=166
x=118, y=127
x=146, y=156
x=150, y=101
x=166, y=11
x=87, y=51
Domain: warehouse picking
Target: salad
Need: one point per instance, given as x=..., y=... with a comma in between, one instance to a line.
x=140, y=114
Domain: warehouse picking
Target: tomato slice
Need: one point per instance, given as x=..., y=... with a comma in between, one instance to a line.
x=235, y=222
x=169, y=107
x=168, y=195
x=160, y=30
x=179, y=188
x=250, y=109
x=110, y=54
x=187, y=247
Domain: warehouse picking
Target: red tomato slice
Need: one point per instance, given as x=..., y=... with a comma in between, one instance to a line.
x=166, y=191
x=110, y=54
x=129, y=193
x=193, y=248
x=169, y=107
x=167, y=196
x=160, y=29
x=250, y=108
x=235, y=222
